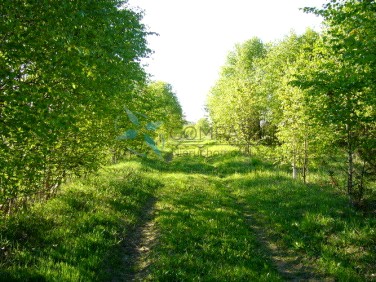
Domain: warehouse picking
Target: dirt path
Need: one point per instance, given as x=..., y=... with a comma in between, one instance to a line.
x=288, y=264
x=137, y=245
x=143, y=237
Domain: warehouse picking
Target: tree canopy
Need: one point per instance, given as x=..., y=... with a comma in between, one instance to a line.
x=314, y=93
x=67, y=69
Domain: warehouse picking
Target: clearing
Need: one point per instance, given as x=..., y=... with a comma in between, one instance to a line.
x=222, y=218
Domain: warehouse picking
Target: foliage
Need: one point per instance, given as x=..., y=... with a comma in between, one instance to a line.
x=301, y=140
x=77, y=236
x=312, y=95
x=234, y=101
x=340, y=83
x=203, y=128
x=155, y=113
x=166, y=107
x=68, y=68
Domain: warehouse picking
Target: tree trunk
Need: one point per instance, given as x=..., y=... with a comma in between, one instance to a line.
x=350, y=162
x=294, y=172
x=294, y=168
x=248, y=149
x=305, y=161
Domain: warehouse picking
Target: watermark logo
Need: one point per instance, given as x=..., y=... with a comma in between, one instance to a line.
x=204, y=141
x=193, y=133
x=191, y=140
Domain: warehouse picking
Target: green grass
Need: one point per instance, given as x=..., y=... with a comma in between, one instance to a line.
x=203, y=205
x=76, y=236
x=203, y=236
x=316, y=222
x=203, y=229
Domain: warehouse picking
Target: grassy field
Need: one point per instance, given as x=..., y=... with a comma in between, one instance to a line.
x=77, y=235
x=225, y=217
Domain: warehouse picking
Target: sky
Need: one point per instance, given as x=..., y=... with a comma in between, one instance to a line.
x=195, y=37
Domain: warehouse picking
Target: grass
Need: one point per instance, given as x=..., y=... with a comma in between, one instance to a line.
x=208, y=214
x=201, y=209
x=315, y=222
x=203, y=236
x=76, y=236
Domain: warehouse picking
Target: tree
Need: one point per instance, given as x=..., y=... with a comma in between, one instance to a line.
x=300, y=139
x=68, y=67
x=340, y=82
x=154, y=113
x=164, y=106
x=234, y=101
x=203, y=128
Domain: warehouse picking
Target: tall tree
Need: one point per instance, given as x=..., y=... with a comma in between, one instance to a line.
x=154, y=112
x=234, y=101
x=340, y=82
x=67, y=68
x=299, y=137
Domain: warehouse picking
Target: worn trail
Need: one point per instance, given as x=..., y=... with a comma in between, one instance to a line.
x=203, y=205
x=289, y=265
x=137, y=245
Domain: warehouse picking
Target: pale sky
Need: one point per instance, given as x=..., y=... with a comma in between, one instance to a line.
x=195, y=37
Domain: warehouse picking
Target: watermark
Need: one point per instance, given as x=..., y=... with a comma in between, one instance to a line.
x=191, y=140
x=197, y=141
x=209, y=151
x=193, y=133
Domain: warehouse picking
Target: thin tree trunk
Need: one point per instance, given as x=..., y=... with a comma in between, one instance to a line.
x=305, y=162
x=294, y=171
x=294, y=168
x=248, y=149
x=361, y=184
x=350, y=162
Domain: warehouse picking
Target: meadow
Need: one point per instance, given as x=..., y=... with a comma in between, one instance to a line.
x=223, y=217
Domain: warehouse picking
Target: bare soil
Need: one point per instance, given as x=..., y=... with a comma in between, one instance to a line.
x=137, y=245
